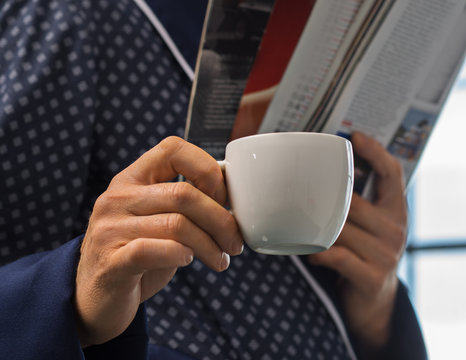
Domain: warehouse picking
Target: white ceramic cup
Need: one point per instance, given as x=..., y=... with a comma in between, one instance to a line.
x=290, y=192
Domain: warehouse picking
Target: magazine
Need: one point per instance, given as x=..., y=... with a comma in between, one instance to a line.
x=383, y=67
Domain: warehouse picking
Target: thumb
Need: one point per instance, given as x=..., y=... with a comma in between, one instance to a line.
x=388, y=171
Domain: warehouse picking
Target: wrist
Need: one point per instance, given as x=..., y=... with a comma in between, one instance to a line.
x=374, y=334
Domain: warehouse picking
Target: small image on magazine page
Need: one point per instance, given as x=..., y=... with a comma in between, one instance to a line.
x=281, y=36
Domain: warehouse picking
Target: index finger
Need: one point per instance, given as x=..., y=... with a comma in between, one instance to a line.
x=172, y=157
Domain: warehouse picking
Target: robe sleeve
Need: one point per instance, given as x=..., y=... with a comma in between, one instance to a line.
x=406, y=341
x=37, y=319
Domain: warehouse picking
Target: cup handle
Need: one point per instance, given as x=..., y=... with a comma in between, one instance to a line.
x=222, y=164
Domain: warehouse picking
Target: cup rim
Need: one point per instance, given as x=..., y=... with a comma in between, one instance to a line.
x=291, y=133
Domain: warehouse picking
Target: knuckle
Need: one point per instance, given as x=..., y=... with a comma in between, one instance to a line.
x=139, y=250
x=171, y=144
x=398, y=236
x=375, y=282
x=339, y=259
x=396, y=168
x=213, y=169
x=172, y=141
x=109, y=201
x=210, y=181
x=174, y=223
x=228, y=222
x=104, y=229
x=118, y=179
x=394, y=244
x=180, y=193
x=102, y=203
x=396, y=165
x=393, y=259
x=389, y=258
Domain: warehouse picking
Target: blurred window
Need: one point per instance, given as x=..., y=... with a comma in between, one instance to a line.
x=434, y=266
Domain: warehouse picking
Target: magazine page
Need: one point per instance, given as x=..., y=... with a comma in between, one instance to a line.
x=327, y=97
x=232, y=34
x=383, y=67
x=324, y=43
x=397, y=91
x=284, y=31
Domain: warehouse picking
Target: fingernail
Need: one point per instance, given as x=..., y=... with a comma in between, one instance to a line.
x=225, y=262
x=236, y=248
x=239, y=249
x=189, y=259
